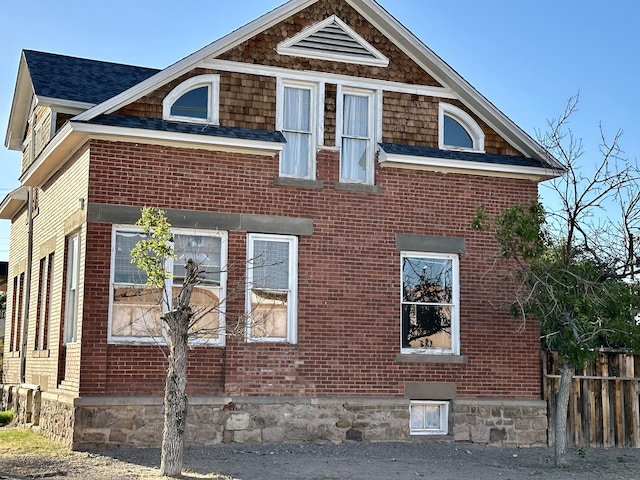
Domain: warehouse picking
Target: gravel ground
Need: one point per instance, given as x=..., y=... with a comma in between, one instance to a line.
x=393, y=461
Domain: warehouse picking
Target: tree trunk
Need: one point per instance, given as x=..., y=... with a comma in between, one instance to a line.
x=175, y=399
x=562, y=408
x=175, y=392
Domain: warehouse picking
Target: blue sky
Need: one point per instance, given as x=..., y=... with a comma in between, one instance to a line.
x=527, y=57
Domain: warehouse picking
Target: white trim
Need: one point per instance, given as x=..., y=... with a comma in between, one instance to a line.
x=455, y=303
x=334, y=78
x=444, y=417
x=292, y=306
x=73, y=135
x=63, y=106
x=466, y=121
x=316, y=124
x=374, y=127
x=71, y=308
x=443, y=165
x=212, y=81
x=288, y=47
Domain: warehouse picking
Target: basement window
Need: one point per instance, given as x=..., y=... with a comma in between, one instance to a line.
x=194, y=100
x=429, y=417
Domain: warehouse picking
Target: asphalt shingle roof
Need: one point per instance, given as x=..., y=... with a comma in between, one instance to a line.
x=397, y=149
x=190, y=128
x=81, y=79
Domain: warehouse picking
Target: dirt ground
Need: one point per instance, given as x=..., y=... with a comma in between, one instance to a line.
x=392, y=461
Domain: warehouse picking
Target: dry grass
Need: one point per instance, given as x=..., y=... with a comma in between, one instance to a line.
x=22, y=441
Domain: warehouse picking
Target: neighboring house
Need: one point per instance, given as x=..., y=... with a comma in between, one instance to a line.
x=324, y=166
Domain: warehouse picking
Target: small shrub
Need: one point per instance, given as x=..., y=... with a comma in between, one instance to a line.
x=6, y=417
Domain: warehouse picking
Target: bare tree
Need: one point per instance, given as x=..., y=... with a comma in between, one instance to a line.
x=573, y=261
x=189, y=312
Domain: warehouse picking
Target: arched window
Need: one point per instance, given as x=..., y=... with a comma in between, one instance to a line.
x=458, y=130
x=194, y=100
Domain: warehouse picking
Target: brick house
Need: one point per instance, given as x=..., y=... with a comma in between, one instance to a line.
x=323, y=165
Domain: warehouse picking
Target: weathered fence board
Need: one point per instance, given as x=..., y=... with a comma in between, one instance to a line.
x=604, y=404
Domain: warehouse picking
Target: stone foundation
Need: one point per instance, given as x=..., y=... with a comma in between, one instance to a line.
x=507, y=423
x=103, y=422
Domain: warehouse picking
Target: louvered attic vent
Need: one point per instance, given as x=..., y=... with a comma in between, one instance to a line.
x=333, y=40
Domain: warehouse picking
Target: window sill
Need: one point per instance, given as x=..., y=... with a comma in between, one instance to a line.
x=297, y=182
x=358, y=187
x=429, y=358
x=40, y=354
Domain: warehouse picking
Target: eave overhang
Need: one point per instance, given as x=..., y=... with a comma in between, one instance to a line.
x=13, y=202
x=467, y=167
x=73, y=135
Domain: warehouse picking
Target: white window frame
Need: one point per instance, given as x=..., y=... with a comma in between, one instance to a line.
x=466, y=121
x=423, y=404
x=292, y=306
x=72, y=289
x=212, y=81
x=374, y=127
x=166, y=302
x=455, y=304
x=316, y=124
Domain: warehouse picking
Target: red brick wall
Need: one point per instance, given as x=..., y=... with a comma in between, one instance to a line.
x=348, y=315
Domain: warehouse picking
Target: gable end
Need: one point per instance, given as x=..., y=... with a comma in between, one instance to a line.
x=332, y=40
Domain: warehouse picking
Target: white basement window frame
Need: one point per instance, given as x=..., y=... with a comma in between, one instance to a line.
x=450, y=116
x=205, y=90
x=428, y=417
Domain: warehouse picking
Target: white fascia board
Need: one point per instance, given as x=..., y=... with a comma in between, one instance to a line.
x=190, y=62
x=448, y=77
x=13, y=202
x=74, y=134
x=19, y=113
x=444, y=165
x=63, y=106
x=182, y=140
x=338, y=79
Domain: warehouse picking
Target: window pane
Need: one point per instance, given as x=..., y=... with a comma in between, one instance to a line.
x=455, y=135
x=427, y=280
x=270, y=265
x=297, y=109
x=124, y=270
x=269, y=313
x=295, y=155
x=202, y=249
x=194, y=104
x=137, y=312
x=354, y=159
x=205, y=305
x=426, y=326
x=356, y=116
x=417, y=417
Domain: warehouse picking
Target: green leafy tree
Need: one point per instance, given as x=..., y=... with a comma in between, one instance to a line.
x=574, y=264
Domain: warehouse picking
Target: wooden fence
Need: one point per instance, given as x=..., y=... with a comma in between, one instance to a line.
x=604, y=406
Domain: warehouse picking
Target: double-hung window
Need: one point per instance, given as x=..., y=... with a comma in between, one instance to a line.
x=297, y=117
x=429, y=303
x=71, y=290
x=136, y=309
x=272, y=282
x=209, y=252
x=357, y=127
